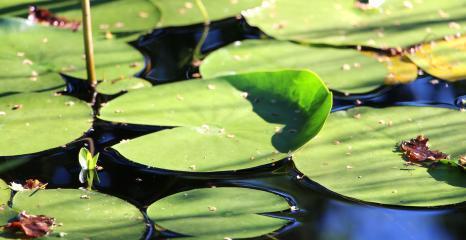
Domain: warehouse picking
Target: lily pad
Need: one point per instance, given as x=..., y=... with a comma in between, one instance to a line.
x=33, y=63
x=227, y=123
x=6, y=213
x=186, y=12
x=34, y=122
x=354, y=155
x=396, y=23
x=444, y=59
x=5, y=193
x=219, y=213
x=123, y=18
x=341, y=69
x=118, y=85
x=401, y=69
x=81, y=214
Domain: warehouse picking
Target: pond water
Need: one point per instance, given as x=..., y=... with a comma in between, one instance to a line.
x=320, y=213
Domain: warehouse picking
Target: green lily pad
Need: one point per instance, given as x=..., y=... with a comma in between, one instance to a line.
x=401, y=69
x=186, y=12
x=227, y=123
x=219, y=213
x=396, y=23
x=341, y=69
x=123, y=18
x=443, y=59
x=82, y=214
x=119, y=85
x=32, y=56
x=34, y=122
x=5, y=193
x=355, y=155
x=6, y=213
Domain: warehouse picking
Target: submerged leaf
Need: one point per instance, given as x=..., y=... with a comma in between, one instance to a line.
x=31, y=226
x=417, y=150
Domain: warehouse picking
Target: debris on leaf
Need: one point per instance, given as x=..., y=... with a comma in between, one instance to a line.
x=84, y=196
x=16, y=187
x=34, y=184
x=17, y=107
x=45, y=17
x=31, y=225
x=368, y=4
x=462, y=162
x=417, y=150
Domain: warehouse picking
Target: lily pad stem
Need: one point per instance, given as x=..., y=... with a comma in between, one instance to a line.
x=88, y=43
x=197, y=55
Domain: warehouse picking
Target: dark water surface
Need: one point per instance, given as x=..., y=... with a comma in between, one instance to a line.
x=321, y=214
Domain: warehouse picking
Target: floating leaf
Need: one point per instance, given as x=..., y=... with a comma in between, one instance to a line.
x=28, y=129
x=341, y=69
x=401, y=69
x=6, y=214
x=118, y=85
x=219, y=213
x=84, y=215
x=444, y=59
x=126, y=19
x=186, y=12
x=33, y=63
x=228, y=123
x=396, y=23
x=357, y=157
x=5, y=192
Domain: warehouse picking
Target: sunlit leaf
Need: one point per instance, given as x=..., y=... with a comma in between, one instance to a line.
x=125, y=19
x=81, y=214
x=396, y=23
x=186, y=12
x=33, y=62
x=249, y=120
x=345, y=70
x=34, y=122
x=444, y=59
x=356, y=155
x=219, y=213
x=5, y=192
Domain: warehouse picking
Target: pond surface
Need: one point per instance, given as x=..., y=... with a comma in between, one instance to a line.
x=319, y=213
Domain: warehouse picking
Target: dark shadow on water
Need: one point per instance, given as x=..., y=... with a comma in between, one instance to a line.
x=170, y=49
x=425, y=91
